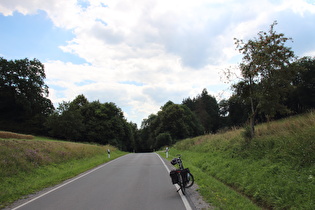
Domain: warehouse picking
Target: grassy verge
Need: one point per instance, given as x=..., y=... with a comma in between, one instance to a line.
x=213, y=191
x=28, y=166
x=276, y=170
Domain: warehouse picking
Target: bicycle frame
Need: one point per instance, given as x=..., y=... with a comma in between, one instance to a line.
x=184, y=177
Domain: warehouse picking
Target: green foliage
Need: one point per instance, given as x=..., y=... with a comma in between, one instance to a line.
x=266, y=73
x=172, y=122
x=302, y=97
x=191, y=118
x=299, y=98
x=237, y=111
x=247, y=135
x=276, y=170
x=66, y=125
x=23, y=92
x=178, y=120
x=206, y=108
x=102, y=123
x=163, y=139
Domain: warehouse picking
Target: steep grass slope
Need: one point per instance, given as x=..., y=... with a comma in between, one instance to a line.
x=276, y=170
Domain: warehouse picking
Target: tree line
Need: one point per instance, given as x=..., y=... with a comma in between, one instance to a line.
x=84, y=121
x=273, y=84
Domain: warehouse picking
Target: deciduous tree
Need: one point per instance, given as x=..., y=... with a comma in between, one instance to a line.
x=265, y=74
x=23, y=93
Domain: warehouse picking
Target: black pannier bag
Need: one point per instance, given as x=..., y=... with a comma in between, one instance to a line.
x=174, y=177
x=184, y=174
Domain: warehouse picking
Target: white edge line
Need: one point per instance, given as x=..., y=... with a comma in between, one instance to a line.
x=72, y=180
x=183, y=197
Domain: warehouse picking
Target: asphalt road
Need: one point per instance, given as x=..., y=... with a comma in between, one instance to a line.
x=134, y=181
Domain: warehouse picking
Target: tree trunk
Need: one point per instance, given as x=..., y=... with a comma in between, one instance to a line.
x=252, y=125
x=253, y=114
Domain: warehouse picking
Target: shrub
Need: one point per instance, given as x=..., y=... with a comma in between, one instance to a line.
x=163, y=139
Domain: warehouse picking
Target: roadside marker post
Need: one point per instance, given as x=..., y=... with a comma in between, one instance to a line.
x=108, y=153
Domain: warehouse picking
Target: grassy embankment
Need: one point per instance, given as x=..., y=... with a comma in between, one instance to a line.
x=275, y=171
x=28, y=163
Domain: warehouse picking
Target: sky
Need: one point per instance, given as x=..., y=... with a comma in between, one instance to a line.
x=140, y=54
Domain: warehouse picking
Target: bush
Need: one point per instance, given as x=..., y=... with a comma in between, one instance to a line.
x=163, y=139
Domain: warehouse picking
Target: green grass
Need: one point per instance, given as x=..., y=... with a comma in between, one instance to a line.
x=28, y=166
x=213, y=190
x=276, y=170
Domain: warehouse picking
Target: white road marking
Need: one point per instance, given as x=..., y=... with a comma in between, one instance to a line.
x=79, y=177
x=183, y=197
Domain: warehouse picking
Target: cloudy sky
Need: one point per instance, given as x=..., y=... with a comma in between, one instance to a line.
x=141, y=53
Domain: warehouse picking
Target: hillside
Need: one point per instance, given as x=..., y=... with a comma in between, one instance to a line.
x=275, y=171
x=30, y=163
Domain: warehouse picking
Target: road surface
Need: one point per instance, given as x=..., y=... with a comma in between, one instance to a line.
x=134, y=181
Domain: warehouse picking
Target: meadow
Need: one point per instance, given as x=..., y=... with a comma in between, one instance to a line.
x=276, y=170
x=29, y=164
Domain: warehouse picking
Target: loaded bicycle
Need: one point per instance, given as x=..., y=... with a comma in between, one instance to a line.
x=181, y=175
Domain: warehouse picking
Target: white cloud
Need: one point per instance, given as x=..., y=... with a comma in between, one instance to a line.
x=309, y=53
x=142, y=53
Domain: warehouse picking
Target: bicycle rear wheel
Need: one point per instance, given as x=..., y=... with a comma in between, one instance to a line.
x=181, y=184
x=190, y=180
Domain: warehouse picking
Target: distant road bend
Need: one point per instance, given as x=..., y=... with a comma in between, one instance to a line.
x=133, y=182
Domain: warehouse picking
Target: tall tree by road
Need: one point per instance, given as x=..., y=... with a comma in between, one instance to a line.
x=23, y=92
x=265, y=72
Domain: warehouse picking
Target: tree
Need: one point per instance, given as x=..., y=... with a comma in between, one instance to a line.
x=233, y=111
x=79, y=102
x=302, y=98
x=23, y=93
x=171, y=123
x=265, y=73
x=66, y=123
x=147, y=133
x=163, y=139
x=206, y=109
x=102, y=123
x=130, y=136
x=177, y=120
